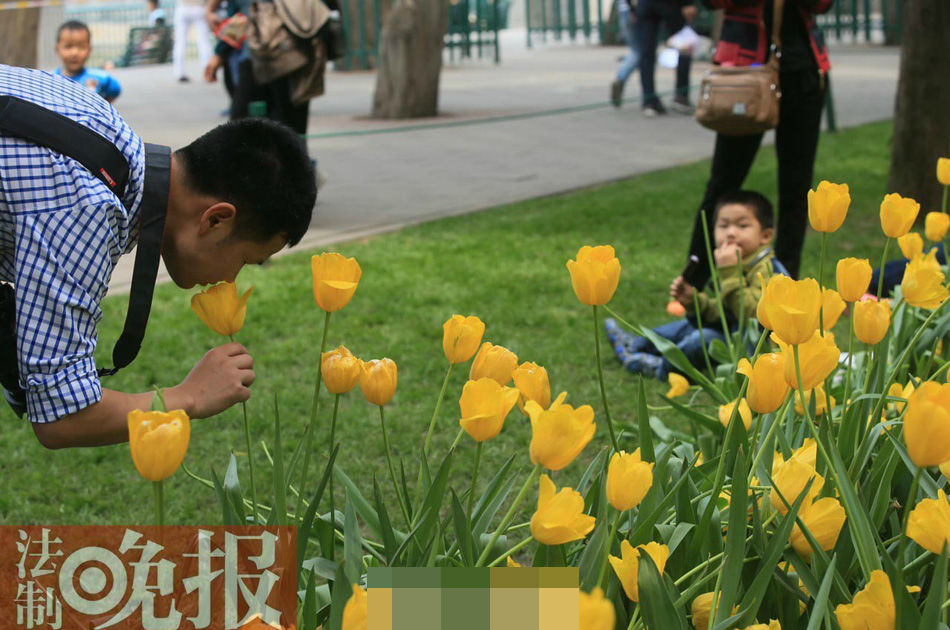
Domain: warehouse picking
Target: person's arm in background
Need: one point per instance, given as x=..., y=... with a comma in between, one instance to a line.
x=109, y=88
x=816, y=6
x=221, y=49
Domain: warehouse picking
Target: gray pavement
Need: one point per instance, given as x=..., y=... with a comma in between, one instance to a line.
x=537, y=124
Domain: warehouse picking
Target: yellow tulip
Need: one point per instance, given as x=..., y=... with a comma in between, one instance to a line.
x=945, y=469
x=559, y=433
x=494, y=362
x=158, y=441
x=355, y=611
x=595, y=611
x=595, y=274
x=821, y=401
x=929, y=523
x=872, y=608
x=832, y=307
x=378, y=380
x=790, y=308
x=927, y=424
x=922, y=285
x=767, y=387
x=560, y=516
x=854, y=277
x=532, y=382
x=828, y=206
x=790, y=479
x=824, y=519
x=335, y=279
x=900, y=391
x=898, y=215
x=678, y=385
x=818, y=358
x=772, y=625
x=911, y=245
x=725, y=413
x=871, y=320
x=936, y=225
x=629, y=478
x=220, y=308
x=807, y=453
x=701, y=609
x=340, y=370
x=627, y=567
x=511, y=563
x=485, y=404
x=461, y=336
x=943, y=171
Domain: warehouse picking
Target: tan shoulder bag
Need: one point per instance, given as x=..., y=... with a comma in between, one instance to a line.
x=743, y=100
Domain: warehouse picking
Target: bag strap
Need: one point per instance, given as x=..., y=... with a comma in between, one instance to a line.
x=778, y=8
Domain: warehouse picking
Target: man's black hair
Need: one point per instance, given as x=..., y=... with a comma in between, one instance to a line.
x=761, y=207
x=261, y=167
x=73, y=25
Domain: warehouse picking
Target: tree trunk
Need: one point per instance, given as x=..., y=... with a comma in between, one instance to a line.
x=921, y=128
x=410, y=59
x=19, y=29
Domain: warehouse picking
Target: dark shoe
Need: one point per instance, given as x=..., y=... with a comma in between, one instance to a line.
x=653, y=108
x=184, y=80
x=647, y=364
x=616, y=91
x=682, y=105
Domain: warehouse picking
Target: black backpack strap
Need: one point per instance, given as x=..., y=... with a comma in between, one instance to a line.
x=36, y=124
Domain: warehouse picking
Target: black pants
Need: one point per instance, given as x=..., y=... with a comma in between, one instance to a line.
x=796, y=141
x=650, y=13
x=276, y=94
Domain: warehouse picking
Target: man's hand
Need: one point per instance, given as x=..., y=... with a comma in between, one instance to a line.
x=213, y=19
x=727, y=255
x=682, y=291
x=689, y=13
x=211, y=70
x=220, y=379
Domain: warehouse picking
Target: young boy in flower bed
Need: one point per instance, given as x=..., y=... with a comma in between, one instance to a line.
x=744, y=260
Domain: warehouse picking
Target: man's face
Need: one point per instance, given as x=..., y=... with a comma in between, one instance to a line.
x=215, y=258
x=73, y=49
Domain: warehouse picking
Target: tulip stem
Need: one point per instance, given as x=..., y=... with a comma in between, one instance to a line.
x=600, y=377
x=435, y=414
x=880, y=270
x=847, y=381
x=458, y=437
x=250, y=460
x=389, y=461
x=945, y=188
x=821, y=284
x=336, y=406
x=157, y=487
x=768, y=436
x=512, y=551
x=471, y=493
x=308, y=434
x=610, y=540
x=535, y=473
x=908, y=506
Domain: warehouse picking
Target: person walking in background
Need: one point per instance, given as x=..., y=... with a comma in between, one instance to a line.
x=803, y=68
x=674, y=15
x=156, y=14
x=189, y=13
x=626, y=18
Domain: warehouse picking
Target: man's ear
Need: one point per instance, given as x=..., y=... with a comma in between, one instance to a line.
x=221, y=214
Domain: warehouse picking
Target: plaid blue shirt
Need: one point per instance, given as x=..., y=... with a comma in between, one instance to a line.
x=61, y=233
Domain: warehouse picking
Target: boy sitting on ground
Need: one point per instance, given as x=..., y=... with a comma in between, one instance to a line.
x=743, y=232
x=73, y=45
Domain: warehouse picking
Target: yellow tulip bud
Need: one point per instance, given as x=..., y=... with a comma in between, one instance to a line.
x=911, y=245
x=818, y=357
x=927, y=424
x=595, y=274
x=872, y=608
x=832, y=307
x=678, y=385
x=158, y=441
x=220, y=308
x=824, y=519
x=627, y=567
x=485, y=404
x=807, y=453
x=595, y=611
x=356, y=610
x=495, y=362
x=854, y=277
x=628, y=480
x=822, y=402
x=871, y=320
x=378, y=380
x=790, y=308
x=773, y=625
x=335, y=279
x=898, y=214
x=790, y=480
x=725, y=413
x=340, y=370
x=701, y=609
x=560, y=515
x=532, y=382
x=511, y=563
x=923, y=283
x=828, y=206
x=559, y=433
x=461, y=336
x=928, y=524
x=943, y=171
x=767, y=387
x=900, y=391
x=936, y=225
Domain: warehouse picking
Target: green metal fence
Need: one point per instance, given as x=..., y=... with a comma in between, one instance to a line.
x=870, y=21
x=473, y=28
x=560, y=18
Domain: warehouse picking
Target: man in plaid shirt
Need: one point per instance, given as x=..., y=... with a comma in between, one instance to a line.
x=238, y=194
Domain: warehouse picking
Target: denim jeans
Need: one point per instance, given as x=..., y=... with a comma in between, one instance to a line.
x=686, y=336
x=632, y=60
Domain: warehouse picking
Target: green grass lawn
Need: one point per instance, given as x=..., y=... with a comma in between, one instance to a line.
x=506, y=265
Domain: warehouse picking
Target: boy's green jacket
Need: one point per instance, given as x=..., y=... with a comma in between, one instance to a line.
x=740, y=292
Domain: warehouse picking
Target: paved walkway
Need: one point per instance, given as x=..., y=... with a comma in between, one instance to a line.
x=489, y=146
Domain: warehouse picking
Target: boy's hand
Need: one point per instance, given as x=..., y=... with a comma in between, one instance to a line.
x=211, y=70
x=727, y=255
x=682, y=291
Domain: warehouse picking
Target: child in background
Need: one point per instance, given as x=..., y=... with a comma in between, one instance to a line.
x=744, y=260
x=73, y=45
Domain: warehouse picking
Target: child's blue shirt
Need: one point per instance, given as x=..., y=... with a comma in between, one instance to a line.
x=99, y=80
